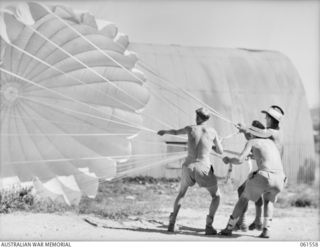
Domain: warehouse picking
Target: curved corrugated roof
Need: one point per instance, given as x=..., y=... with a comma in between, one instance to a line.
x=238, y=83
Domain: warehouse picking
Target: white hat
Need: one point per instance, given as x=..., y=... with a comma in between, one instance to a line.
x=275, y=112
x=257, y=129
x=203, y=112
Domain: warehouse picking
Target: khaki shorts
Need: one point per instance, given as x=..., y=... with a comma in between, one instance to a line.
x=264, y=183
x=198, y=172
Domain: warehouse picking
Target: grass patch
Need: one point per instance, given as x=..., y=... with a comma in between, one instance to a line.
x=24, y=199
x=130, y=197
x=299, y=196
x=148, y=197
x=16, y=199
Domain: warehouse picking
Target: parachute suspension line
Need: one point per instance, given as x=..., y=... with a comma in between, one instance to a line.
x=85, y=114
x=182, y=145
x=38, y=127
x=94, y=45
x=164, y=161
x=18, y=145
x=65, y=134
x=97, y=47
x=159, y=121
x=60, y=71
x=123, y=167
x=105, y=54
x=76, y=118
x=230, y=135
x=3, y=114
x=187, y=93
x=94, y=71
x=213, y=111
x=148, y=159
x=68, y=75
x=85, y=65
x=216, y=155
x=40, y=119
x=35, y=162
x=72, y=99
x=166, y=100
x=150, y=163
x=143, y=155
x=99, y=158
x=161, y=143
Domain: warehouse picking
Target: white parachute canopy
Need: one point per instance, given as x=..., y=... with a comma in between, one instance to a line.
x=68, y=104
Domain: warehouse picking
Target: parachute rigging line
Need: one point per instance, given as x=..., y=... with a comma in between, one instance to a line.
x=68, y=75
x=213, y=111
x=70, y=98
x=94, y=71
x=34, y=162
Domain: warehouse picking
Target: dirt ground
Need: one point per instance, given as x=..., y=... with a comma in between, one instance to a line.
x=138, y=209
x=290, y=224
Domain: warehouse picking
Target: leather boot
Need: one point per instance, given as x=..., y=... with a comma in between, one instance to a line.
x=209, y=230
x=172, y=222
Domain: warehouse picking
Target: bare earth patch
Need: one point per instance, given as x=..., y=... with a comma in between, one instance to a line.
x=296, y=224
x=139, y=210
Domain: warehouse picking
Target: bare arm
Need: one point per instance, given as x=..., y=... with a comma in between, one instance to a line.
x=242, y=128
x=277, y=138
x=242, y=157
x=218, y=146
x=174, y=131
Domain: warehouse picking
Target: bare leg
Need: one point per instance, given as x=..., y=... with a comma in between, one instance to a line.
x=238, y=210
x=215, y=201
x=176, y=207
x=257, y=223
x=258, y=205
x=268, y=213
x=240, y=206
x=268, y=209
x=241, y=224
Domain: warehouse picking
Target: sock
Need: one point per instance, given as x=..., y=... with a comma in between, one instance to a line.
x=267, y=222
x=209, y=220
x=172, y=218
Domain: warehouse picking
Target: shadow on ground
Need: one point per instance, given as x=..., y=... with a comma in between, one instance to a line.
x=160, y=227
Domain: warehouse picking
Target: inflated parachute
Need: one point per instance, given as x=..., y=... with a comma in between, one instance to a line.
x=68, y=111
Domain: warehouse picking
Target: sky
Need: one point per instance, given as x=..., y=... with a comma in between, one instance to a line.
x=291, y=27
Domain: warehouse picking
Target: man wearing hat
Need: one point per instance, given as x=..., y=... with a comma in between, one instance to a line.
x=197, y=167
x=268, y=181
x=273, y=117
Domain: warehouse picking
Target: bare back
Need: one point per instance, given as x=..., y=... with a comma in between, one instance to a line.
x=277, y=138
x=267, y=155
x=200, y=141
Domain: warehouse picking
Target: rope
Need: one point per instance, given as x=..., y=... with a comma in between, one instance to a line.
x=87, y=158
x=213, y=111
x=70, y=98
x=166, y=81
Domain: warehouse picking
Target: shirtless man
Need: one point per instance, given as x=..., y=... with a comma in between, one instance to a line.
x=267, y=182
x=273, y=117
x=197, y=167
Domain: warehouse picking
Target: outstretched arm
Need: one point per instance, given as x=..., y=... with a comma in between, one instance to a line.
x=173, y=131
x=242, y=128
x=242, y=157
